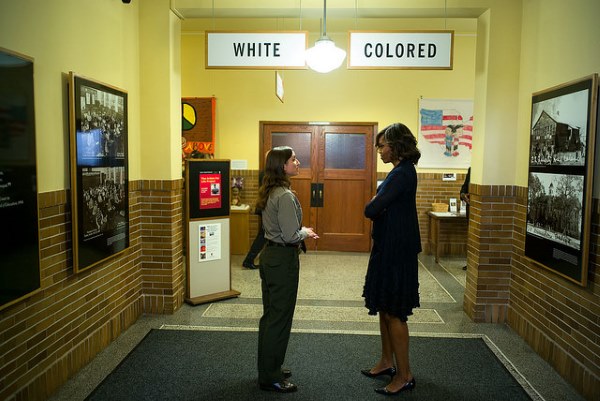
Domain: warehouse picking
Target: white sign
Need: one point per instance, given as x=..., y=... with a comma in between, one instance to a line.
x=400, y=49
x=256, y=50
x=209, y=242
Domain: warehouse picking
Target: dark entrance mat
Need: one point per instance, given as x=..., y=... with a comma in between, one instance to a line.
x=221, y=365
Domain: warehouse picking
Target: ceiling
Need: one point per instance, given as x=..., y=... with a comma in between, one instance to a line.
x=189, y=9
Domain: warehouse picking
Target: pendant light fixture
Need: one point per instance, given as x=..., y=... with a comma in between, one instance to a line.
x=324, y=56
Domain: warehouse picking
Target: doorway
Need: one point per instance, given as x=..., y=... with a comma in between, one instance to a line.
x=336, y=180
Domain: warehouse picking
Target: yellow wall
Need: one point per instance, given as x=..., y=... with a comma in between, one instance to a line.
x=245, y=97
x=559, y=44
x=95, y=39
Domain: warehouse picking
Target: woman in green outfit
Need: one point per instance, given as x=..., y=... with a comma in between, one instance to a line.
x=279, y=266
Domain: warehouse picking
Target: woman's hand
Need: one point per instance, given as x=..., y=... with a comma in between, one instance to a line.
x=310, y=232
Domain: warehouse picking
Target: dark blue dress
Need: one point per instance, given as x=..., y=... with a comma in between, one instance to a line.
x=392, y=281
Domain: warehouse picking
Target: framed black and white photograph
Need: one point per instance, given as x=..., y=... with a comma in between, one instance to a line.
x=99, y=174
x=561, y=165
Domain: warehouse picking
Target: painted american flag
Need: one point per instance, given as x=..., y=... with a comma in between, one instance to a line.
x=445, y=133
x=436, y=123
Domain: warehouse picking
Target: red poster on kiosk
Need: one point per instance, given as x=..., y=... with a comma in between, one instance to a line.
x=210, y=196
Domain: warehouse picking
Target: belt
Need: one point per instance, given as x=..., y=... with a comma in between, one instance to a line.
x=273, y=243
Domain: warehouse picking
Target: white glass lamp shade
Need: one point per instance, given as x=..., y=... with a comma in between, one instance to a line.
x=324, y=56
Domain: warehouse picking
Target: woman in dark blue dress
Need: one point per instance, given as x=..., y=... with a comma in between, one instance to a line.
x=392, y=283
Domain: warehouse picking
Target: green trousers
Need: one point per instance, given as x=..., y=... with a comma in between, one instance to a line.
x=279, y=273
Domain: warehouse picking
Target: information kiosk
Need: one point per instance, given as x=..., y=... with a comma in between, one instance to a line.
x=207, y=220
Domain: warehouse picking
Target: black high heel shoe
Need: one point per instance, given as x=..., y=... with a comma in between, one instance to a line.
x=385, y=372
x=410, y=385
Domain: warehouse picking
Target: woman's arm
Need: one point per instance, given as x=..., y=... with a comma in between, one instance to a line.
x=287, y=217
x=397, y=183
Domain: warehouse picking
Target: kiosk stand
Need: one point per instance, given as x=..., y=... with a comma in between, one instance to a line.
x=208, y=264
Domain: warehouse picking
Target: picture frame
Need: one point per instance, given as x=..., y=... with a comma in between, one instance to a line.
x=20, y=275
x=98, y=130
x=561, y=164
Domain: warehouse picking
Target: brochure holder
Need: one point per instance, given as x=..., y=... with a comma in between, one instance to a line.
x=208, y=264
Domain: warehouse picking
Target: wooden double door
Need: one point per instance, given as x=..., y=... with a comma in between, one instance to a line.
x=336, y=180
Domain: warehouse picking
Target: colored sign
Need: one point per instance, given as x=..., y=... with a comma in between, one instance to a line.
x=401, y=50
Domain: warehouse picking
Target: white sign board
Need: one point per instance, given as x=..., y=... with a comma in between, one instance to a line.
x=400, y=50
x=256, y=50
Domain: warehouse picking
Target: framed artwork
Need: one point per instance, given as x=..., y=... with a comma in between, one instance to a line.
x=20, y=246
x=561, y=165
x=99, y=173
x=445, y=133
x=197, y=127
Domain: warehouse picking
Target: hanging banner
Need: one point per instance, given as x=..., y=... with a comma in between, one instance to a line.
x=256, y=50
x=428, y=50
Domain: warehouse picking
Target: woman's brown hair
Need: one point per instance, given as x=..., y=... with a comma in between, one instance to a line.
x=275, y=175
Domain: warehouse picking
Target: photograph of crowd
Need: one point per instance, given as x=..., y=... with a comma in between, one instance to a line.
x=99, y=185
x=100, y=127
x=103, y=206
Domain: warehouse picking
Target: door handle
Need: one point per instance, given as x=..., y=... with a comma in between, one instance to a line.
x=314, y=201
x=316, y=198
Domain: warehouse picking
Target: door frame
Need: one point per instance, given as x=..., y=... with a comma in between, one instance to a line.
x=371, y=165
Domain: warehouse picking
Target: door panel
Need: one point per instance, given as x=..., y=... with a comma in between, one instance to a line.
x=301, y=139
x=336, y=173
x=346, y=170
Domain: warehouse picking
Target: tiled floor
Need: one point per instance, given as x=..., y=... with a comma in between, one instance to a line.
x=329, y=300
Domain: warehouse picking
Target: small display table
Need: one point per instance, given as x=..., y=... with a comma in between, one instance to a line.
x=435, y=221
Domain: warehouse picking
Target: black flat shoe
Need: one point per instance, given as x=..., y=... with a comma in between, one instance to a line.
x=250, y=266
x=286, y=373
x=385, y=372
x=279, y=387
x=407, y=386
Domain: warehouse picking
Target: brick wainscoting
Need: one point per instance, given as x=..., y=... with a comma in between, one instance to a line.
x=50, y=335
x=559, y=319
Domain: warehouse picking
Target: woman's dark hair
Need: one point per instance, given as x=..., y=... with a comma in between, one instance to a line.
x=401, y=141
x=275, y=175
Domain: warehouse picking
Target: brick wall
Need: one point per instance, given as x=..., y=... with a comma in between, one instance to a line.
x=50, y=335
x=161, y=209
x=559, y=319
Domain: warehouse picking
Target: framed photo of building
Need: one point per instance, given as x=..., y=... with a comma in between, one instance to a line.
x=99, y=173
x=561, y=165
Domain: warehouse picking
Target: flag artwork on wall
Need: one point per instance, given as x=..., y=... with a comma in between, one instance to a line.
x=445, y=133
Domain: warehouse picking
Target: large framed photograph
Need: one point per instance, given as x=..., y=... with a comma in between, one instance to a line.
x=99, y=173
x=561, y=165
x=20, y=246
